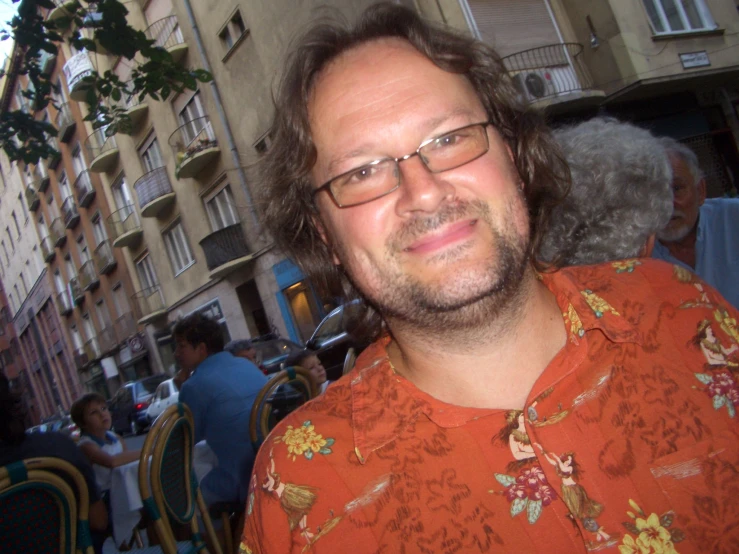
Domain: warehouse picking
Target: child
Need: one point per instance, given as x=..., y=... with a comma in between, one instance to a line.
x=309, y=360
x=102, y=447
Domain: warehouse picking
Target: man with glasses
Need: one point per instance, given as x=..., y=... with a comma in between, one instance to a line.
x=501, y=408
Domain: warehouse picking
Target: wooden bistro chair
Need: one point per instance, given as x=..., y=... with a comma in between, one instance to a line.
x=39, y=512
x=261, y=420
x=169, y=488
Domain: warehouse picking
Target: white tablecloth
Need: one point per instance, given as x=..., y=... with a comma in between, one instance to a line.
x=125, y=498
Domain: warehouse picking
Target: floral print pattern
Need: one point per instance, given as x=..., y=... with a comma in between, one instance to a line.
x=654, y=534
x=597, y=304
x=576, y=328
x=625, y=266
x=304, y=441
x=722, y=389
x=529, y=491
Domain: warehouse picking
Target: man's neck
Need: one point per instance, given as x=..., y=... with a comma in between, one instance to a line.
x=684, y=249
x=494, y=366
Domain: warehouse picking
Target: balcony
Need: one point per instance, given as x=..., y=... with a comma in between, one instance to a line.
x=166, y=34
x=88, y=277
x=47, y=249
x=62, y=8
x=65, y=123
x=69, y=213
x=150, y=304
x=105, y=261
x=136, y=111
x=46, y=62
x=87, y=353
x=194, y=145
x=78, y=295
x=40, y=178
x=125, y=326
x=106, y=339
x=551, y=74
x=32, y=198
x=225, y=250
x=84, y=189
x=64, y=303
x=77, y=68
x=155, y=192
x=103, y=150
x=52, y=162
x=124, y=227
x=57, y=232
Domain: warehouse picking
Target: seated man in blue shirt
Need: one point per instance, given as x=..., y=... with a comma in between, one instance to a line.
x=220, y=393
x=703, y=235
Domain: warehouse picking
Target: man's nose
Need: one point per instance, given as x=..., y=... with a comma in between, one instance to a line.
x=420, y=190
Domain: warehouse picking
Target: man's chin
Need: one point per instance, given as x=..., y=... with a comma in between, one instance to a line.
x=674, y=233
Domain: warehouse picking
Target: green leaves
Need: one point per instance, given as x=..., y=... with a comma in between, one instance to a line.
x=96, y=25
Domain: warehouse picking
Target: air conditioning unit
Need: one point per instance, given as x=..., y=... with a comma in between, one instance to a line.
x=535, y=84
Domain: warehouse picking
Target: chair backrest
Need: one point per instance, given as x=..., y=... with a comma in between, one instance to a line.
x=39, y=510
x=349, y=360
x=169, y=489
x=261, y=421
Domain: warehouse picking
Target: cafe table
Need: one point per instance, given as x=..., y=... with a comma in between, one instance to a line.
x=125, y=497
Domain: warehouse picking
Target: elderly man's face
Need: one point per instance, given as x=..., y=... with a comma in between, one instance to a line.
x=440, y=242
x=688, y=198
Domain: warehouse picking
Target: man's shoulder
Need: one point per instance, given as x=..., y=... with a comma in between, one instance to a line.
x=720, y=214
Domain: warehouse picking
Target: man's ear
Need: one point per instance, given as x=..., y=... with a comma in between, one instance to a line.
x=701, y=191
x=324, y=237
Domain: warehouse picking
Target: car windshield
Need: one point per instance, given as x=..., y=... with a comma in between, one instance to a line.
x=273, y=351
x=148, y=386
x=330, y=326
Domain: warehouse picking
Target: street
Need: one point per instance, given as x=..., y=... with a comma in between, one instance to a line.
x=135, y=442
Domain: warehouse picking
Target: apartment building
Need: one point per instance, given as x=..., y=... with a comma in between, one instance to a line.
x=668, y=65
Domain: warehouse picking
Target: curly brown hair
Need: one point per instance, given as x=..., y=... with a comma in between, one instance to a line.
x=287, y=207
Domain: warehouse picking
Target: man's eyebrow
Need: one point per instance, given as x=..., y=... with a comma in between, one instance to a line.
x=429, y=125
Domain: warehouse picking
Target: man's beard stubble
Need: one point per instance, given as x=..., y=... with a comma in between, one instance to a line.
x=675, y=233
x=478, y=297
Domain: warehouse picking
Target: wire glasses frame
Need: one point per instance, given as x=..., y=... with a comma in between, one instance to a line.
x=380, y=177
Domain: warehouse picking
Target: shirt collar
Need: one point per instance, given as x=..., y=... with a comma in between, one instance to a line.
x=384, y=403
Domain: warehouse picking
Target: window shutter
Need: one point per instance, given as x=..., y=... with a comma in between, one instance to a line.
x=512, y=26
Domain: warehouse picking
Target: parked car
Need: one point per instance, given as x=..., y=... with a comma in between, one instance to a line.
x=165, y=395
x=128, y=406
x=331, y=340
x=60, y=424
x=272, y=353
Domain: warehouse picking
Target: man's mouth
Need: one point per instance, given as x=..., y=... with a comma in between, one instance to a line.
x=445, y=236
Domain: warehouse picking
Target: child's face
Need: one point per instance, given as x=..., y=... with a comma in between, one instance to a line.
x=314, y=365
x=97, y=418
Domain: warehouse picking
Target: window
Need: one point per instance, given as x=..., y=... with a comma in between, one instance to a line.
x=43, y=230
x=17, y=227
x=678, y=16
x=233, y=30
x=64, y=186
x=122, y=193
x=76, y=339
x=22, y=202
x=24, y=285
x=84, y=252
x=53, y=208
x=58, y=282
x=178, y=250
x=71, y=270
x=12, y=301
x=98, y=229
x=120, y=301
x=147, y=275
x=221, y=209
x=18, y=294
x=5, y=249
x=103, y=314
x=151, y=155
x=10, y=239
x=192, y=117
x=78, y=162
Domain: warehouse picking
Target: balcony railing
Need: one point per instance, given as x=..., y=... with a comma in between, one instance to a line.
x=70, y=213
x=76, y=69
x=103, y=150
x=194, y=145
x=124, y=227
x=57, y=232
x=89, y=279
x=125, y=326
x=225, y=250
x=105, y=261
x=149, y=304
x=32, y=198
x=65, y=123
x=135, y=110
x=47, y=248
x=167, y=34
x=64, y=303
x=46, y=61
x=84, y=189
x=40, y=178
x=78, y=295
x=154, y=191
x=62, y=8
x=549, y=71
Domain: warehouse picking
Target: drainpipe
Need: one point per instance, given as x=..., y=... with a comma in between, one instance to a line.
x=223, y=118
x=560, y=37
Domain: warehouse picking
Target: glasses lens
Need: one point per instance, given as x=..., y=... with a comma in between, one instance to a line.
x=365, y=183
x=455, y=148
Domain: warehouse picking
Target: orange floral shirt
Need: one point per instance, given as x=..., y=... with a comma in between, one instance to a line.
x=628, y=442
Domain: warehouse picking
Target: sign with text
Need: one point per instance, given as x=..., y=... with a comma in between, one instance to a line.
x=695, y=59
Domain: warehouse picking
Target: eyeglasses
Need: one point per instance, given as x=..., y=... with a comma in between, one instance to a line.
x=380, y=177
